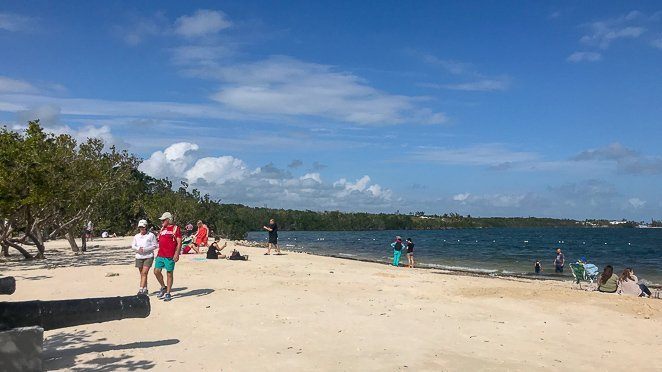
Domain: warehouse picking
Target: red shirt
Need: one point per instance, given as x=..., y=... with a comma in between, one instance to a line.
x=168, y=241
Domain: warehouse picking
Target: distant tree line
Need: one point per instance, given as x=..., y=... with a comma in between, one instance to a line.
x=50, y=186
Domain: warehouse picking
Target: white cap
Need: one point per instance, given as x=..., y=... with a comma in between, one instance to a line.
x=142, y=223
x=166, y=216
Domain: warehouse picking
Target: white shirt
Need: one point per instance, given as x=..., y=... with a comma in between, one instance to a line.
x=147, y=242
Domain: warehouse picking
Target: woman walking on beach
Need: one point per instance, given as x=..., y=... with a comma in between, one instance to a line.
x=397, y=250
x=410, y=253
x=144, y=243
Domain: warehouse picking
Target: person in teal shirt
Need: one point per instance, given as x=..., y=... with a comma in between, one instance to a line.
x=397, y=250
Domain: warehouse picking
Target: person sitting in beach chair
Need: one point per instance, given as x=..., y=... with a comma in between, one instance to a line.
x=584, y=272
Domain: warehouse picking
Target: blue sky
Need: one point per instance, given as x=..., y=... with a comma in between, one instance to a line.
x=483, y=108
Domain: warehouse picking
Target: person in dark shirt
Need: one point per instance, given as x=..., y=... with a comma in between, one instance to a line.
x=273, y=236
x=410, y=252
x=213, y=253
x=559, y=262
x=537, y=267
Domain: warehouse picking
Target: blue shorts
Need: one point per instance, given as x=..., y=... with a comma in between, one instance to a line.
x=167, y=263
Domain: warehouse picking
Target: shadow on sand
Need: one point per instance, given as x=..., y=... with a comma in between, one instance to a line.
x=55, y=258
x=62, y=350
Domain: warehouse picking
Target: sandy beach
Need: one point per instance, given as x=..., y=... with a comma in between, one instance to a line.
x=299, y=312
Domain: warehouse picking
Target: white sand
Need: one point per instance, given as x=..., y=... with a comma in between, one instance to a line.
x=299, y=312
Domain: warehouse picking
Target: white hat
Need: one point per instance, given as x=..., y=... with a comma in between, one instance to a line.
x=142, y=223
x=166, y=216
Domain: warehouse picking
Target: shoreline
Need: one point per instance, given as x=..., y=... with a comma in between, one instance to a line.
x=442, y=270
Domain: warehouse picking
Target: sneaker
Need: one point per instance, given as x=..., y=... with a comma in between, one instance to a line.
x=167, y=297
x=162, y=293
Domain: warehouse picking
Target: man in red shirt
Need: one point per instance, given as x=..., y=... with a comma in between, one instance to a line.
x=170, y=242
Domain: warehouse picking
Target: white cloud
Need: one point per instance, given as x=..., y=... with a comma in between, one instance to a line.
x=140, y=29
x=203, y=22
x=461, y=197
x=636, y=202
x=231, y=179
x=482, y=154
x=14, y=22
x=584, y=56
x=483, y=85
x=9, y=85
x=657, y=43
x=172, y=162
x=286, y=86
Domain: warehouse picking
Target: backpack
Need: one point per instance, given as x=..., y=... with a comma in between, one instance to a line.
x=235, y=255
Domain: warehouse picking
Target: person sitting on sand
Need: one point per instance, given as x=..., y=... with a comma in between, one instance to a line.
x=191, y=246
x=202, y=235
x=628, y=284
x=410, y=253
x=537, y=267
x=397, y=250
x=214, y=251
x=608, y=282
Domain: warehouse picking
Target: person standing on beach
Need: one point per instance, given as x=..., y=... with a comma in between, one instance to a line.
x=144, y=243
x=273, y=236
x=410, y=253
x=397, y=250
x=201, y=235
x=559, y=262
x=170, y=242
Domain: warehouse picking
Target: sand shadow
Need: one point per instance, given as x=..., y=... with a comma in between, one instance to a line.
x=55, y=258
x=61, y=351
x=195, y=292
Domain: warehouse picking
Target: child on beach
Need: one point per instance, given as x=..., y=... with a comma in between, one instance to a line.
x=537, y=266
x=397, y=250
x=410, y=253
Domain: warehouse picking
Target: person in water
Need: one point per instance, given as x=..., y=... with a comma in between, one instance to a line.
x=608, y=282
x=559, y=262
x=410, y=253
x=537, y=267
x=628, y=284
x=397, y=250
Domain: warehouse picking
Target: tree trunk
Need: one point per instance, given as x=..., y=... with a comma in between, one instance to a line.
x=72, y=241
x=5, y=249
x=39, y=244
x=25, y=253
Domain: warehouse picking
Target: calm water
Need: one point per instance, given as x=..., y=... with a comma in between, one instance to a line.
x=497, y=251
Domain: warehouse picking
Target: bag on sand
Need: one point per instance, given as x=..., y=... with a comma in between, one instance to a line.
x=235, y=255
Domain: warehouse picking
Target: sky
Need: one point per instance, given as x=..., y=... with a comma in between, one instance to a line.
x=488, y=108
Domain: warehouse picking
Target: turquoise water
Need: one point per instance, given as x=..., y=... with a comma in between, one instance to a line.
x=494, y=251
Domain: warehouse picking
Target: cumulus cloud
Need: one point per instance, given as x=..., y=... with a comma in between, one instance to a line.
x=172, y=162
x=201, y=23
x=232, y=180
x=461, y=197
x=584, y=57
x=296, y=163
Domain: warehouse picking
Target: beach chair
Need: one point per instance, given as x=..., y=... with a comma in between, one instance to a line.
x=584, y=273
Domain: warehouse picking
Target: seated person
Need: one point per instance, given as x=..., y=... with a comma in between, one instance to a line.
x=213, y=253
x=608, y=282
x=202, y=235
x=628, y=284
x=190, y=247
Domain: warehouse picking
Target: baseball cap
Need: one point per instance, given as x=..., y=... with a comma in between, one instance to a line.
x=142, y=223
x=166, y=216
